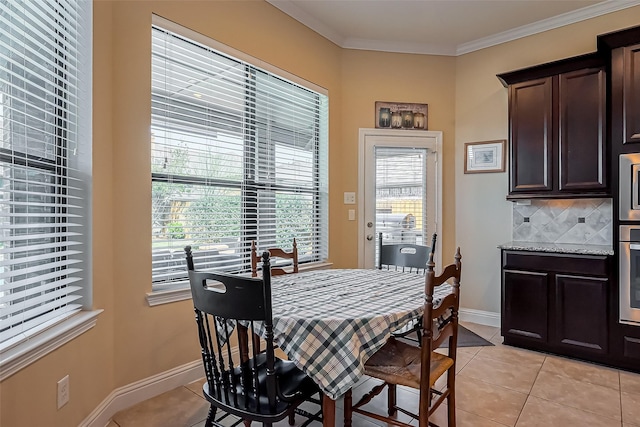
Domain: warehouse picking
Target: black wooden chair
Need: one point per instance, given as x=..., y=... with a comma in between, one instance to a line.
x=415, y=366
x=252, y=385
x=275, y=253
x=404, y=256
x=411, y=258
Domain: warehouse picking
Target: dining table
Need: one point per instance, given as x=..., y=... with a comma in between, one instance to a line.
x=329, y=322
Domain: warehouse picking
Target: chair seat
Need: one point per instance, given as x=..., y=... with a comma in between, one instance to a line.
x=399, y=363
x=291, y=380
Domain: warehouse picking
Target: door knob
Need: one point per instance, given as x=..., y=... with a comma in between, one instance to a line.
x=369, y=237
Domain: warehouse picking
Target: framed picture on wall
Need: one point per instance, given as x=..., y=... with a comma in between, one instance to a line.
x=400, y=115
x=485, y=156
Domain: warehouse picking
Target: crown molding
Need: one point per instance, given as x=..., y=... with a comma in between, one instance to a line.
x=585, y=13
x=568, y=18
x=307, y=20
x=397, y=47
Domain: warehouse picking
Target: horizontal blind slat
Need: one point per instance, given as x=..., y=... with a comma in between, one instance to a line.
x=39, y=268
x=42, y=317
x=8, y=262
x=41, y=236
x=57, y=275
x=47, y=293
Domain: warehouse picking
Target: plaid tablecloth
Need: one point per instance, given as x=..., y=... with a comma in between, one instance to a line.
x=329, y=322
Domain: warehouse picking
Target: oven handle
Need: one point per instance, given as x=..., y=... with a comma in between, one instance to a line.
x=634, y=246
x=635, y=203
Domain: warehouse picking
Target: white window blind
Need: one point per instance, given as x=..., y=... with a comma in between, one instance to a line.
x=405, y=195
x=238, y=154
x=44, y=174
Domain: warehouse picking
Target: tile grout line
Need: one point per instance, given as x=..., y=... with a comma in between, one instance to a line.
x=620, y=395
x=529, y=396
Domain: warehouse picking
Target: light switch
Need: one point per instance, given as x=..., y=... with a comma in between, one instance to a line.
x=352, y=214
x=349, y=198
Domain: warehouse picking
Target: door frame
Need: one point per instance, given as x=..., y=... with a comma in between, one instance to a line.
x=364, y=133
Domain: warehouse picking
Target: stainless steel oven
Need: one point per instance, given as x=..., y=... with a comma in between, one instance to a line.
x=629, y=176
x=630, y=274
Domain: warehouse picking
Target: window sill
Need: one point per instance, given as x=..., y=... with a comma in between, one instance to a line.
x=23, y=354
x=181, y=294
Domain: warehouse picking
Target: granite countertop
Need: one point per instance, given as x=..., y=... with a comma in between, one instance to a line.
x=565, y=248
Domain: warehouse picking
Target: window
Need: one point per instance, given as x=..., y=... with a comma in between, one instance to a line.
x=238, y=153
x=45, y=154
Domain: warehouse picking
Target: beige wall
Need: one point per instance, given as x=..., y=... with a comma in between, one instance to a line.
x=133, y=341
x=367, y=77
x=483, y=216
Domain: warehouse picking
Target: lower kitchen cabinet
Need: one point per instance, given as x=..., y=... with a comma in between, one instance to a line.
x=556, y=302
x=626, y=342
x=581, y=316
x=525, y=308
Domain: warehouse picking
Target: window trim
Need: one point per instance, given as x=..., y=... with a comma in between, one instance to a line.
x=43, y=343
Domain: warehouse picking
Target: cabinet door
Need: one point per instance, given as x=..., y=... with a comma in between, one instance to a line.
x=531, y=136
x=581, y=313
x=625, y=87
x=525, y=305
x=582, y=130
x=627, y=343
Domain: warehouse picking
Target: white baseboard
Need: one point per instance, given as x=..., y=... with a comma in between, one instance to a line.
x=481, y=317
x=134, y=393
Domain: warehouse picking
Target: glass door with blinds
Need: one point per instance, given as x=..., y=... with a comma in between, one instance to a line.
x=401, y=191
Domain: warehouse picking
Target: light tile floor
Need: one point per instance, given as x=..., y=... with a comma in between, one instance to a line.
x=495, y=387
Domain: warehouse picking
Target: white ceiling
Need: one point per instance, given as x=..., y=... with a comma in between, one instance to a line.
x=439, y=27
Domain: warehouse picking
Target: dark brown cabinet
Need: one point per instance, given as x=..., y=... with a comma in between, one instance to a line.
x=556, y=302
x=531, y=136
x=581, y=313
x=624, y=50
x=625, y=85
x=557, y=130
x=525, y=308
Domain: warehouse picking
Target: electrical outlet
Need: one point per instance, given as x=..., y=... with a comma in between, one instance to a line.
x=63, y=391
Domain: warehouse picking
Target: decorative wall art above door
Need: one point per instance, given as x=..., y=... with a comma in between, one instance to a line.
x=400, y=115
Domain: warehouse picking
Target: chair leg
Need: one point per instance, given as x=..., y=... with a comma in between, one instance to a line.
x=391, y=400
x=292, y=418
x=210, y=417
x=321, y=400
x=347, y=408
x=247, y=423
x=451, y=398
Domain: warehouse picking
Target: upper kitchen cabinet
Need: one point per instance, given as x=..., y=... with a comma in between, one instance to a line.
x=557, y=129
x=624, y=49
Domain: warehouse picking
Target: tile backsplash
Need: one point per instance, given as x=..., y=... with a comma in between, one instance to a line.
x=580, y=221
